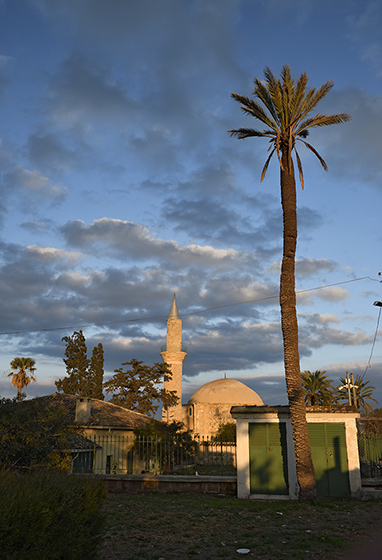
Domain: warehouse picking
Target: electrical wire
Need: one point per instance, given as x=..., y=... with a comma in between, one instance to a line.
x=73, y=327
x=368, y=366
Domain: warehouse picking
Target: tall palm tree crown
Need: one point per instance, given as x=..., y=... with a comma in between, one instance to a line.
x=23, y=373
x=285, y=107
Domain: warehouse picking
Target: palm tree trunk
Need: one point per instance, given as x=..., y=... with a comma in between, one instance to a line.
x=289, y=326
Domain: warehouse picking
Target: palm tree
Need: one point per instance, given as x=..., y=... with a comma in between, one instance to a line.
x=363, y=393
x=318, y=388
x=24, y=368
x=285, y=107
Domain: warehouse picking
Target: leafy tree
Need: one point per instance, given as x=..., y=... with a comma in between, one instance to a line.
x=226, y=432
x=140, y=387
x=22, y=373
x=84, y=376
x=318, y=388
x=363, y=392
x=284, y=106
x=157, y=428
x=33, y=434
x=95, y=373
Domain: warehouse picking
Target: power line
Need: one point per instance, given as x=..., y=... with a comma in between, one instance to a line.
x=52, y=329
x=373, y=344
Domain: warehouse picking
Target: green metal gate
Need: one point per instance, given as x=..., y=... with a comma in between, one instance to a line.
x=268, y=458
x=328, y=445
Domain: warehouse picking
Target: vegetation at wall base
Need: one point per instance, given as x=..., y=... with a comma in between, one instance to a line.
x=48, y=515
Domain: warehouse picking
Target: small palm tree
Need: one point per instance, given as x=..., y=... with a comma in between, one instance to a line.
x=318, y=388
x=363, y=393
x=23, y=373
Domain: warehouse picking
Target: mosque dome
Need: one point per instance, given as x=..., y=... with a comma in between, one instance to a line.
x=226, y=391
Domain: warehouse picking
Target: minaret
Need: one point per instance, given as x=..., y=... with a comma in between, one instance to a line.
x=174, y=356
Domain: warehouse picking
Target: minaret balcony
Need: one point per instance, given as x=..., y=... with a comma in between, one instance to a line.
x=182, y=349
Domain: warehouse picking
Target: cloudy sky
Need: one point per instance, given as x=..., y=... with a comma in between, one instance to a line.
x=121, y=186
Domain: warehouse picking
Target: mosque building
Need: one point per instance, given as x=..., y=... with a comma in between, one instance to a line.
x=210, y=405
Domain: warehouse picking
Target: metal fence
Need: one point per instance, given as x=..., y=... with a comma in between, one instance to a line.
x=370, y=447
x=182, y=455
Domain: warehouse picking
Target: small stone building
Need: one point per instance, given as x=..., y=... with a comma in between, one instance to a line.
x=266, y=466
x=106, y=434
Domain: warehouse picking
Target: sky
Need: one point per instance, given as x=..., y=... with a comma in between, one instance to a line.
x=122, y=187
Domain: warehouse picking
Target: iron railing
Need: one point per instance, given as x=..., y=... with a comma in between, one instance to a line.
x=370, y=446
x=181, y=455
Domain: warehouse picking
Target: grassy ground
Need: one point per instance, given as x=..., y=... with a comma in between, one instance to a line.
x=177, y=527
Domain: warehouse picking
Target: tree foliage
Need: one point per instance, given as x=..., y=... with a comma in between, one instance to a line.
x=363, y=392
x=84, y=376
x=22, y=373
x=226, y=432
x=95, y=374
x=284, y=106
x=33, y=434
x=140, y=387
x=318, y=388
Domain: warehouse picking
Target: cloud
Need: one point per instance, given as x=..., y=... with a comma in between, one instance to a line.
x=45, y=226
x=5, y=72
x=316, y=337
x=308, y=266
x=34, y=184
x=128, y=239
x=334, y=293
x=82, y=90
x=320, y=318
x=51, y=254
x=365, y=34
x=53, y=152
x=355, y=161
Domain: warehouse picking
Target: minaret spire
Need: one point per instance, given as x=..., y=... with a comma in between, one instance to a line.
x=174, y=356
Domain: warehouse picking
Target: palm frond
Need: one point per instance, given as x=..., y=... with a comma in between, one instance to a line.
x=310, y=147
x=274, y=88
x=266, y=165
x=298, y=97
x=250, y=107
x=323, y=120
x=299, y=165
x=312, y=98
x=247, y=132
x=262, y=93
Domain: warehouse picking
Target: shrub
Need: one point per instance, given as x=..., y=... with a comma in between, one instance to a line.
x=34, y=434
x=50, y=516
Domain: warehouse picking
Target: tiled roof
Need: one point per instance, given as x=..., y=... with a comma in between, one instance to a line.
x=103, y=413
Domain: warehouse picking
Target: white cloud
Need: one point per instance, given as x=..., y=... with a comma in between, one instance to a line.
x=51, y=254
x=125, y=239
x=34, y=183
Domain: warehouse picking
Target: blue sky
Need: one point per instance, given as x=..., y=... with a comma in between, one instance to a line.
x=121, y=186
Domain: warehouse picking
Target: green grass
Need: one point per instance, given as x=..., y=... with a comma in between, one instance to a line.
x=177, y=526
